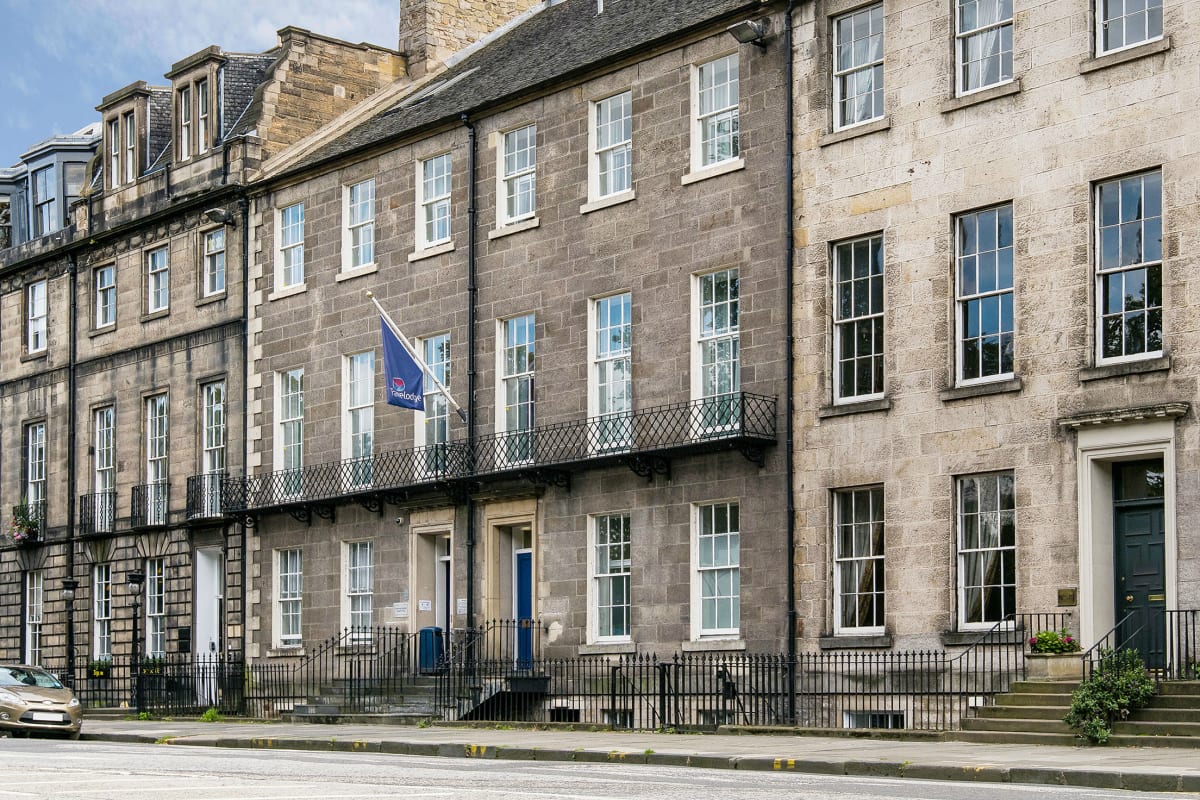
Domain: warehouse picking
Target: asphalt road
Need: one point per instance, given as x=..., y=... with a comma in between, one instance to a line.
x=37, y=768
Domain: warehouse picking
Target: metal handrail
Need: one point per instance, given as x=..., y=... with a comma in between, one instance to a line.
x=1095, y=653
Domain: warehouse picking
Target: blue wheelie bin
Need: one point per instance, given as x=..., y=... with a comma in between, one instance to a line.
x=430, y=658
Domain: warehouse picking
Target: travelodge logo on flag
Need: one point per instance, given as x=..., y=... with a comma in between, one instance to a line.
x=405, y=381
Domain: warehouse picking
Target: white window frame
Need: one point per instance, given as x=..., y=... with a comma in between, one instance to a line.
x=613, y=573
x=358, y=587
x=435, y=186
x=104, y=469
x=432, y=426
x=1102, y=24
x=114, y=152
x=844, y=75
x=716, y=351
x=963, y=552
x=730, y=566
x=35, y=588
x=358, y=233
x=213, y=282
x=1145, y=226
x=130, y=126
x=185, y=122
x=358, y=417
x=289, y=250
x=610, y=350
x=202, y=132
x=43, y=187
x=516, y=363
x=704, y=118
x=156, y=608
x=516, y=175
x=845, y=324
x=158, y=279
x=862, y=555
x=102, y=612
x=289, y=425
x=289, y=597
x=37, y=316
x=35, y=465
x=601, y=115
x=213, y=398
x=975, y=265
x=1002, y=27
x=104, y=280
x=158, y=439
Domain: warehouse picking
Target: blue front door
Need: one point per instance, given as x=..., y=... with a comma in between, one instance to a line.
x=523, y=602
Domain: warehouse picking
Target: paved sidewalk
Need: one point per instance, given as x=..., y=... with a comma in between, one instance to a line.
x=1139, y=768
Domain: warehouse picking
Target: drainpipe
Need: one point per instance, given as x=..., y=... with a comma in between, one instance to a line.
x=244, y=209
x=471, y=302
x=72, y=393
x=789, y=136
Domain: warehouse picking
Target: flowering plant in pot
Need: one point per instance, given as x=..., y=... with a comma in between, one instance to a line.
x=1053, y=642
x=23, y=529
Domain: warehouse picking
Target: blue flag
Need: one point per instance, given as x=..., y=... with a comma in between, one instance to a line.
x=404, y=380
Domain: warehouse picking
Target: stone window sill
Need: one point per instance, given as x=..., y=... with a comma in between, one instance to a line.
x=980, y=389
x=607, y=202
x=608, y=649
x=288, y=291
x=430, y=252
x=356, y=272
x=286, y=652
x=968, y=638
x=1123, y=368
x=721, y=168
x=212, y=298
x=861, y=407
x=982, y=96
x=855, y=641
x=514, y=227
x=712, y=645
x=95, y=332
x=856, y=131
x=1125, y=56
x=153, y=315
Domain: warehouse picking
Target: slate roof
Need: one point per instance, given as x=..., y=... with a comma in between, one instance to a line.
x=563, y=39
x=243, y=75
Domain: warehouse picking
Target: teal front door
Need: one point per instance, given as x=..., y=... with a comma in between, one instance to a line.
x=1139, y=534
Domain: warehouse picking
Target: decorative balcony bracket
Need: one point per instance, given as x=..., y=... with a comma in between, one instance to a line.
x=547, y=476
x=754, y=453
x=649, y=466
x=371, y=502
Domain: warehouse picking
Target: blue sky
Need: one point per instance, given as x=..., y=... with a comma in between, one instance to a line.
x=59, y=57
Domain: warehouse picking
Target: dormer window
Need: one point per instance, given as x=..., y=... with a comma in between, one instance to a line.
x=114, y=151
x=130, y=148
x=44, y=217
x=185, y=123
x=201, y=116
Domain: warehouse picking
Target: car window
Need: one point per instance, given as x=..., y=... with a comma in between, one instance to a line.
x=15, y=676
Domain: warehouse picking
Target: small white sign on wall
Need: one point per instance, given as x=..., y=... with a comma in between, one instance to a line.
x=400, y=610
x=424, y=605
x=462, y=606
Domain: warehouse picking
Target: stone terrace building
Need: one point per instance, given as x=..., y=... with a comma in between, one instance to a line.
x=580, y=224
x=122, y=356
x=995, y=318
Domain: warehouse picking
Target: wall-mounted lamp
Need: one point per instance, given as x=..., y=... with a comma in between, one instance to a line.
x=220, y=215
x=750, y=31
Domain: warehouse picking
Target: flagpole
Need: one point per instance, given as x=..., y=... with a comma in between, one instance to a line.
x=416, y=357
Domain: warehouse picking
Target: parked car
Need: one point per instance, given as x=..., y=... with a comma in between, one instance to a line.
x=32, y=699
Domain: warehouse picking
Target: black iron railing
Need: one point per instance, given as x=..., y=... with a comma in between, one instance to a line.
x=205, y=495
x=97, y=513
x=28, y=522
x=729, y=421
x=1183, y=645
x=149, y=505
x=172, y=683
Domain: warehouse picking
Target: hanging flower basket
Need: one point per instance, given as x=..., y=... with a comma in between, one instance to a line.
x=24, y=527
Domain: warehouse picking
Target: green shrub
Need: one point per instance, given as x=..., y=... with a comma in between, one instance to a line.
x=1118, y=685
x=1053, y=642
x=211, y=715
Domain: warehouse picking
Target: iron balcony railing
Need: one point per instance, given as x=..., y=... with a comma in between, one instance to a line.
x=204, y=495
x=148, y=505
x=28, y=522
x=97, y=513
x=744, y=420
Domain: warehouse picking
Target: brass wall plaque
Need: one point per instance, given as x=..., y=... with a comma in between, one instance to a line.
x=1068, y=597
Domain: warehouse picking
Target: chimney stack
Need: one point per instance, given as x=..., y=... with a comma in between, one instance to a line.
x=433, y=30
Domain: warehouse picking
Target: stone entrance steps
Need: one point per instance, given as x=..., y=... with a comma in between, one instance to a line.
x=1032, y=713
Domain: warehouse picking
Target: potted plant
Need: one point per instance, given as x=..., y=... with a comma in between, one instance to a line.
x=24, y=527
x=99, y=668
x=1054, y=656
